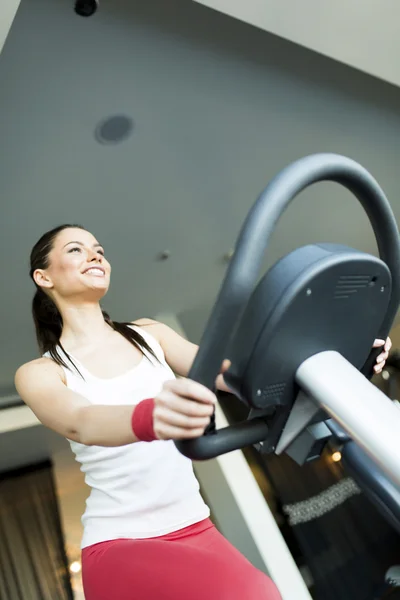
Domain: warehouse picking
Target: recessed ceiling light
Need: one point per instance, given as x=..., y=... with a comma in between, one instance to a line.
x=164, y=255
x=113, y=130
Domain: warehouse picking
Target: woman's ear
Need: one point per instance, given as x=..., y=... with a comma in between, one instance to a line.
x=41, y=278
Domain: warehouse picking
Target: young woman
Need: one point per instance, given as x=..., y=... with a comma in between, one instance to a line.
x=110, y=389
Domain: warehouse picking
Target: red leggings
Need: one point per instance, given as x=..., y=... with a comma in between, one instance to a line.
x=195, y=563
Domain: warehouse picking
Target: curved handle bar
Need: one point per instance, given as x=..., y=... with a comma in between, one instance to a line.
x=244, y=268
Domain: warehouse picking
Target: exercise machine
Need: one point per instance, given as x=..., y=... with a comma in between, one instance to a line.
x=300, y=339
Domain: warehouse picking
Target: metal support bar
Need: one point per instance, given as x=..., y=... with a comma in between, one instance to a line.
x=368, y=416
x=303, y=412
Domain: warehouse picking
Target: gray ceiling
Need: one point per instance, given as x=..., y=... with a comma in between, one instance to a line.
x=218, y=107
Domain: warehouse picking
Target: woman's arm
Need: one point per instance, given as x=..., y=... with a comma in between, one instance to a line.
x=41, y=386
x=180, y=353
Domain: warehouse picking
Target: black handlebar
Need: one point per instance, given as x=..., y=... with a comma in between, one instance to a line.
x=244, y=269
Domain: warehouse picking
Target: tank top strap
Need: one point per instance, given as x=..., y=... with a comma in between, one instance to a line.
x=151, y=341
x=70, y=367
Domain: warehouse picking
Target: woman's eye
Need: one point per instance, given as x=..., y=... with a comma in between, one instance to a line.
x=100, y=252
x=75, y=249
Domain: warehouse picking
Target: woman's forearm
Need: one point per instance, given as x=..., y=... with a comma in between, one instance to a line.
x=181, y=410
x=109, y=426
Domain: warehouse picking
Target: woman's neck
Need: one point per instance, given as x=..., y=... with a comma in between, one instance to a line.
x=83, y=324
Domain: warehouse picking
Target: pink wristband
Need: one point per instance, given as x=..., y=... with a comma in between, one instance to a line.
x=142, y=421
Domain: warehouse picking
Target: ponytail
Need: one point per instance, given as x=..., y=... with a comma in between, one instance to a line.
x=47, y=320
x=48, y=326
x=125, y=329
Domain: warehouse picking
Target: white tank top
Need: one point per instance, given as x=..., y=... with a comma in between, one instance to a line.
x=139, y=490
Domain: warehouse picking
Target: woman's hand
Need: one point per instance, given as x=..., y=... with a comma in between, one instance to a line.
x=220, y=381
x=382, y=358
x=182, y=410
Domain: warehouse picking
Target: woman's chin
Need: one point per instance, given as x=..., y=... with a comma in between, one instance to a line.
x=96, y=291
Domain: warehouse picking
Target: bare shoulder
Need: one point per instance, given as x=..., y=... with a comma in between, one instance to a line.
x=144, y=322
x=154, y=327
x=40, y=385
x=178, y=351
x=38, y=367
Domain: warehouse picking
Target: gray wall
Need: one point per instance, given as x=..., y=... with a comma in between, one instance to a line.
x=219, y=108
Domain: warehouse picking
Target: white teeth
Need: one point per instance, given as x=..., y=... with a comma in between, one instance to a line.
x=95, y=271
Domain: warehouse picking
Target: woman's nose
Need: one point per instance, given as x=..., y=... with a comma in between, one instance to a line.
x=94, y=256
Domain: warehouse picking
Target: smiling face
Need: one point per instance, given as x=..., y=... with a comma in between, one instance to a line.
x=76, y=267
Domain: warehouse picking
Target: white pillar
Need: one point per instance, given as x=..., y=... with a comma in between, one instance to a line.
x=241, y=512
x=71, y=494
x=17, y=417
